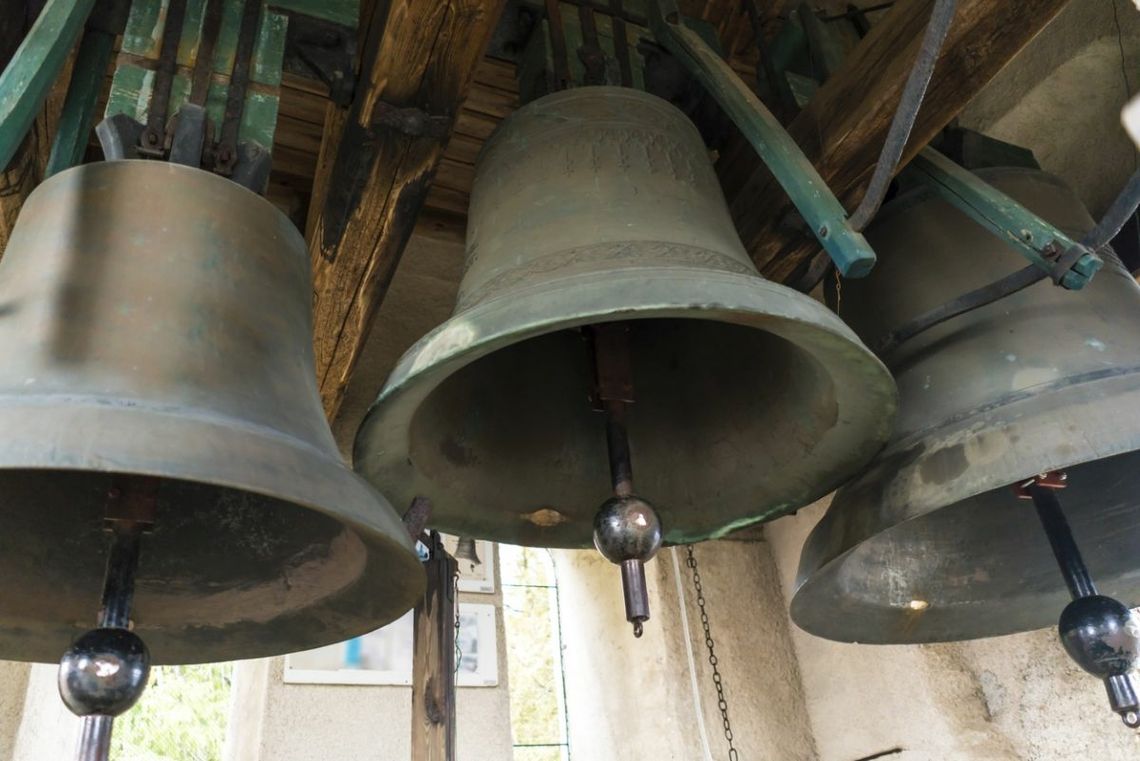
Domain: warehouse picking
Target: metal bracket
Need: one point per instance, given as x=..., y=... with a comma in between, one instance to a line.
x=1070, y=263
x=226, y=156
x=119, y=137
x=189, y=135
x=826, y=217
x=410, y=121
x=1054, y=479
x=153, y=142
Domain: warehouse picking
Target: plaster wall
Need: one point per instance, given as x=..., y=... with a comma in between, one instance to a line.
x=1014, y=698
x=275, y=721
x=634, y=698
x=47, y=730
x=1063, y=94
x=13, y=686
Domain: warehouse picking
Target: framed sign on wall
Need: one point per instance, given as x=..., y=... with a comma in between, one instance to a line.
x=384, y=657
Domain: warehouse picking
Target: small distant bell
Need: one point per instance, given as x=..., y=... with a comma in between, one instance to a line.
x=465, y=550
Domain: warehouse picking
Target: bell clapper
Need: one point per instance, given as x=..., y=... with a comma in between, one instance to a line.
x=627, y=531
x=104, y=672
x=1098, y=632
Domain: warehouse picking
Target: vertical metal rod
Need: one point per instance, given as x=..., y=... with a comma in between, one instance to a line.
x=118, y=593
x=155, y=134
x=617, y=442
x=119, y=587
x=558, y=46
x=95, y=741
x=636, y=594
x=130, y=512
x=621, y=44
x=239, y=80
x=204, y=62
x=1065, y=549
x=591, y=55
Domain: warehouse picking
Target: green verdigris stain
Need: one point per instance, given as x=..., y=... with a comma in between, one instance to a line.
x=132, y=84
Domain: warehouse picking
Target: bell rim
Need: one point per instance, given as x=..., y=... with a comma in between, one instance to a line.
x=816, y=595
x=452, y=346
x=329, y=486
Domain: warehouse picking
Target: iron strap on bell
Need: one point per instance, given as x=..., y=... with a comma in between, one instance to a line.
x=929, y=544
x=155, y=326
x=599, y=205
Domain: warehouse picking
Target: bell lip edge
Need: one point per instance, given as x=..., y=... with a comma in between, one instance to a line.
x=825, y=566
x=826, y=322
x=333, y=471
x=409, y=390
x=405, y=375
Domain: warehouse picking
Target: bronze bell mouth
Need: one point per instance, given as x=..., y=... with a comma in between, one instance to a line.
x=593, y=206
x=156, y=325
x=930, y=544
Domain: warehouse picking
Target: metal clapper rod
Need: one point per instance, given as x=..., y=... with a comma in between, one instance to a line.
x=105, y=671
x=627, y=530
x=1098, y=632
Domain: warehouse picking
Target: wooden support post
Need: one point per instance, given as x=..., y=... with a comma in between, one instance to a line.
x=378, y=161
x=433, y=663
x=843, y=127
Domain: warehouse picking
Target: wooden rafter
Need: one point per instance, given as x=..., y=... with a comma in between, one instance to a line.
x=842, y=129
x=377, y=163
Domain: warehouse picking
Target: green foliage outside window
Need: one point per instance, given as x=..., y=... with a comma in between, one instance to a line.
x=182, y=716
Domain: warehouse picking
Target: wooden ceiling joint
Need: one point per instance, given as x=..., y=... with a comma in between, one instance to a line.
x=377, y=163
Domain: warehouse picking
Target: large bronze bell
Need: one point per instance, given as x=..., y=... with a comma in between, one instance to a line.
x=597, y=205
x=155, y=322
x=930, y=543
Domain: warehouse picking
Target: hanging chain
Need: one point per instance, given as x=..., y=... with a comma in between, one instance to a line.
x=838, y=292
x=721, y=702
x=458, y=649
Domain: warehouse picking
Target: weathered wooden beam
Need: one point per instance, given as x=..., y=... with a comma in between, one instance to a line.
x=842, y=129
x=377, y=163
x=433, y=661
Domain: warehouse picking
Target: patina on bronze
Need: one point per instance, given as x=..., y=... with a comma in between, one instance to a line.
x=598, y=205
x=927, y=545
x=155, y=321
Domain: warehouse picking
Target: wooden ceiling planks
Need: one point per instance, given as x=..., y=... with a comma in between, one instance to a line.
x=493, y=95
